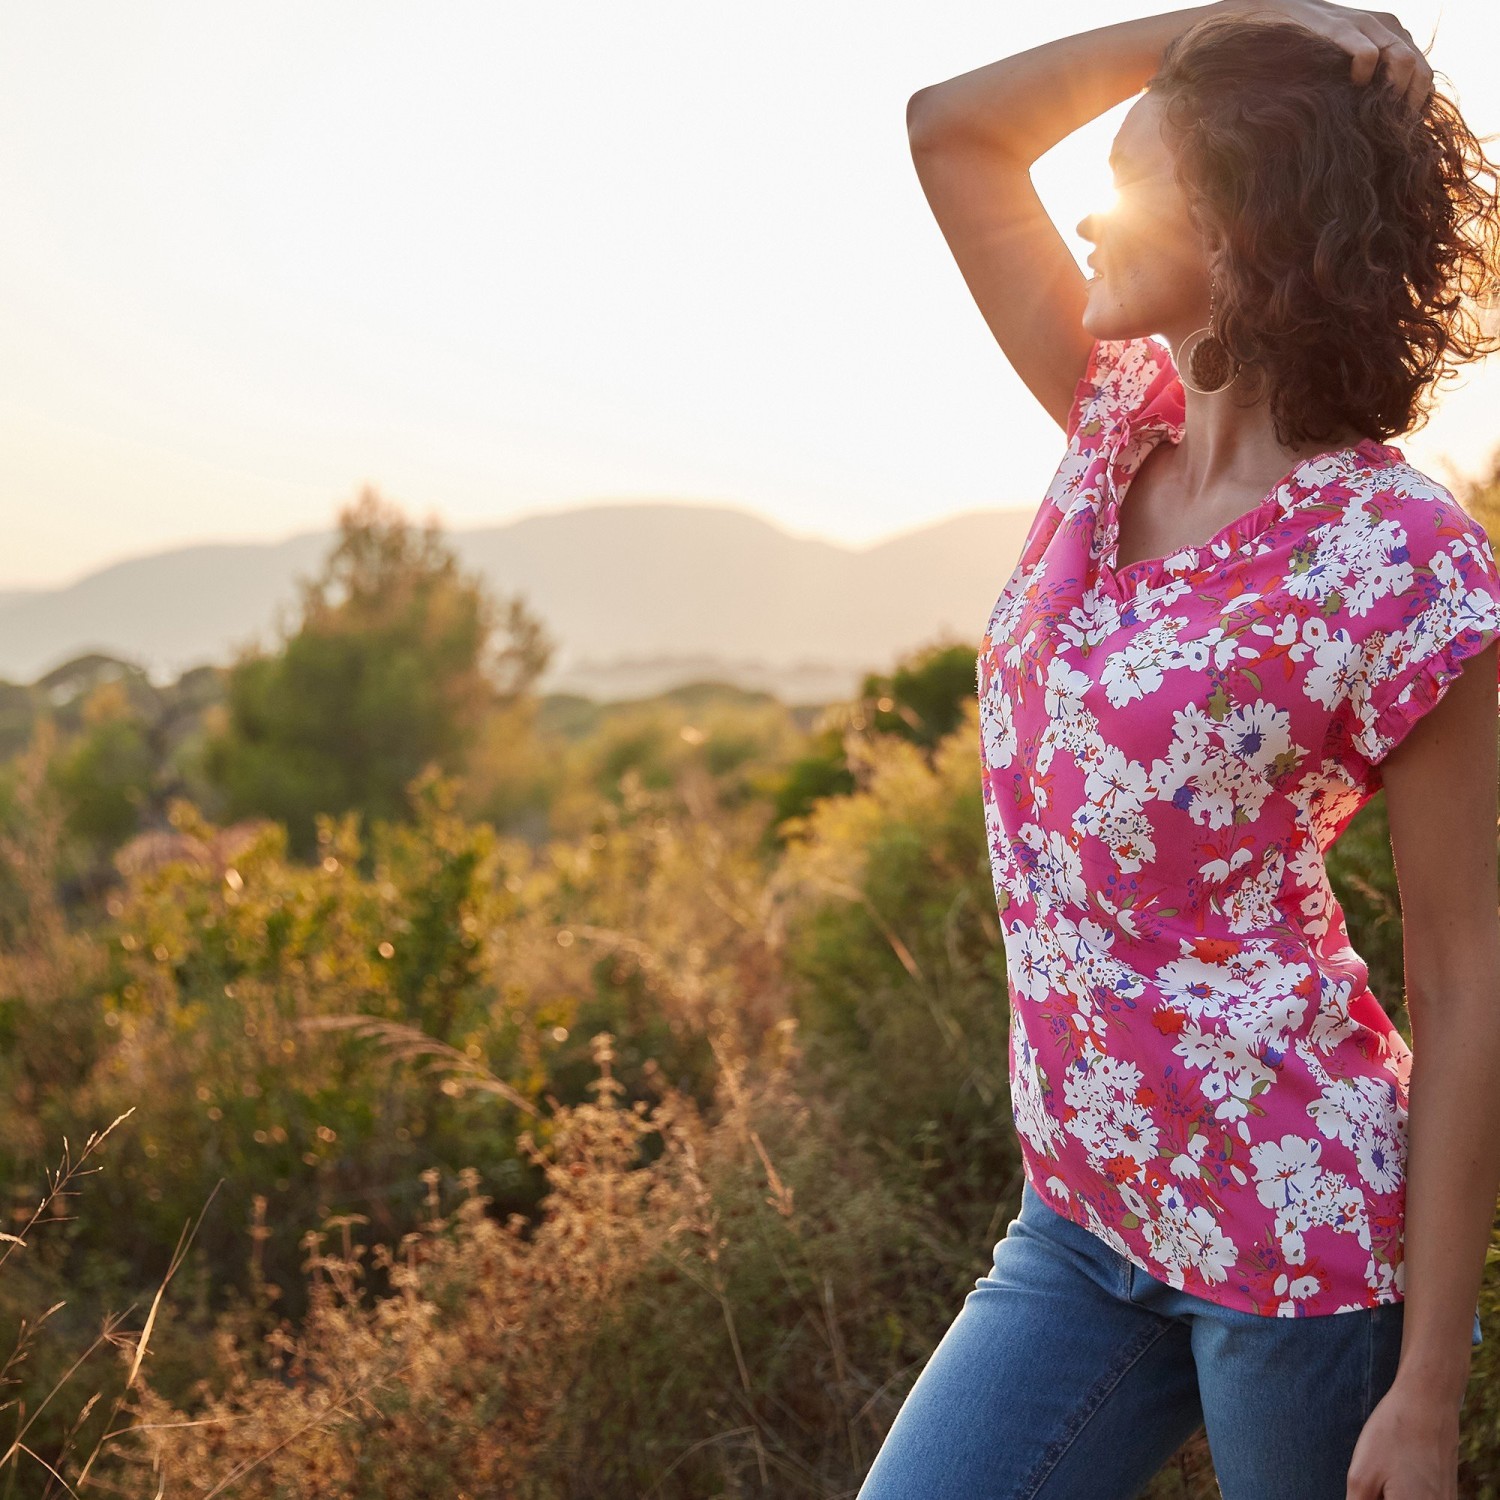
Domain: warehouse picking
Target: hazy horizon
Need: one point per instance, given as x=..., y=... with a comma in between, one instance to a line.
x=329, y=527
x=499, y=264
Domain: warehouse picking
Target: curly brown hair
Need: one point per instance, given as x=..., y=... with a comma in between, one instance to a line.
x=1361, y=246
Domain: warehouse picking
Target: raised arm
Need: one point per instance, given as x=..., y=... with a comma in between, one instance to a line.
x=973, y=139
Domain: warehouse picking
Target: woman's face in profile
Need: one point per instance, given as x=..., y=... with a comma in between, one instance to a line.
x=1150, y=261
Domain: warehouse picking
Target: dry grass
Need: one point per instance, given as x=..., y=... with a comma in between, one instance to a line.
x=738, y=1262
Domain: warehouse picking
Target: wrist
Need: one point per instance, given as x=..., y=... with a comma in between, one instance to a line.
x=1433, y=1393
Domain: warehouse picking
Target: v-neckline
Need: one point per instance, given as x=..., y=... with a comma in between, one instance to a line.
x=1233, y=535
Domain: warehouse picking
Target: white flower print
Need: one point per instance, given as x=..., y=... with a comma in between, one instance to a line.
x=1335, y=666
x=997, y=725
x=1028, y=1089
x=1115, y=790
x=1372, y=560
x=1233, y=1072
x=1254, y=990
x=1286, y=1171
x=1192, y=1241
x=1251, y=906
x=1109, y=1122
x=1055, y=868
x=1201, y=1073
x=1257, y=733
x=1366, y=1115
x=1204, y=772
x=1332, y=1025
x=1141, y=667
x=1030, y=961
x=1170, y=1199
x=1082, y=629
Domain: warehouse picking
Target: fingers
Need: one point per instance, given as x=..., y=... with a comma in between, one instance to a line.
x=1400, y=65
x=1421, y=82
x=1364, y=50
x=1376, y=36
x=1414, y=82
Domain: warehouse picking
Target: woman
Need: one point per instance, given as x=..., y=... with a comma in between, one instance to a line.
x=1239, y=613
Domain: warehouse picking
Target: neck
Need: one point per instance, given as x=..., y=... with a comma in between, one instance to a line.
x=1229, y=441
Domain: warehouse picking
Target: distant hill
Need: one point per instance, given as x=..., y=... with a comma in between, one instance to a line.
x=639, y=598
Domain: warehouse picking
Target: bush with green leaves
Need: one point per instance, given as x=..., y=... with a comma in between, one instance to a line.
x=396, y=663
x=898, y=970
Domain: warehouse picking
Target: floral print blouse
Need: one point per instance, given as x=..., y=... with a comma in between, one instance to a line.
x=1199, y=1072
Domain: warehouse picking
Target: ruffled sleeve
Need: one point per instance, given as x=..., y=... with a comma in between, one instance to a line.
x=1123, y=378
x=1443, y=608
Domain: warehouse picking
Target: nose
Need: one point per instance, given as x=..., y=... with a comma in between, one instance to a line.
x=1085, y=228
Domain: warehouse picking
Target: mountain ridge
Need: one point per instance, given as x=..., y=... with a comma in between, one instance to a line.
x=617, y=585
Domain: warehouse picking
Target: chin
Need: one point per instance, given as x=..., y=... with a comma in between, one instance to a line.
x=1105, y=320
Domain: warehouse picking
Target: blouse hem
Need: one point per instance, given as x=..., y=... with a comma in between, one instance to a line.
x=1424, y=690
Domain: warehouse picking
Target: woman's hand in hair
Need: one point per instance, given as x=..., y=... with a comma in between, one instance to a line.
x=1366, y=35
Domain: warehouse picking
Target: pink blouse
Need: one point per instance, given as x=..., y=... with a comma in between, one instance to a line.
x=1200, y=1074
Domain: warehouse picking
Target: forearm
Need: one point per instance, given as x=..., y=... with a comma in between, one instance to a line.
x=1452, y=1176
x=1025, y=104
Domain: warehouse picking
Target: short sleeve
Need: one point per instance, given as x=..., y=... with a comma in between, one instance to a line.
x=1444, y=609
x=1121, y=378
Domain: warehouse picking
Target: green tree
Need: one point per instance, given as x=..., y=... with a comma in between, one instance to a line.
x=106, y=772
x=923, y=700
x=395, y=666
x=117, y=746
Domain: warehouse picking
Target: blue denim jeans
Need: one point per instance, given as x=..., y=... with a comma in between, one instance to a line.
x=1072, y=1374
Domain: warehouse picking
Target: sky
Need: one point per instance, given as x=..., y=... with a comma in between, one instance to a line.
x=497, y=259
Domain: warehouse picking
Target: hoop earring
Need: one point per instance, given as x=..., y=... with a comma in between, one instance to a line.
x=1204, y=364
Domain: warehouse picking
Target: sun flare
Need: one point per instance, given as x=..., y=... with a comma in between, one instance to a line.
x=1073, y=179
